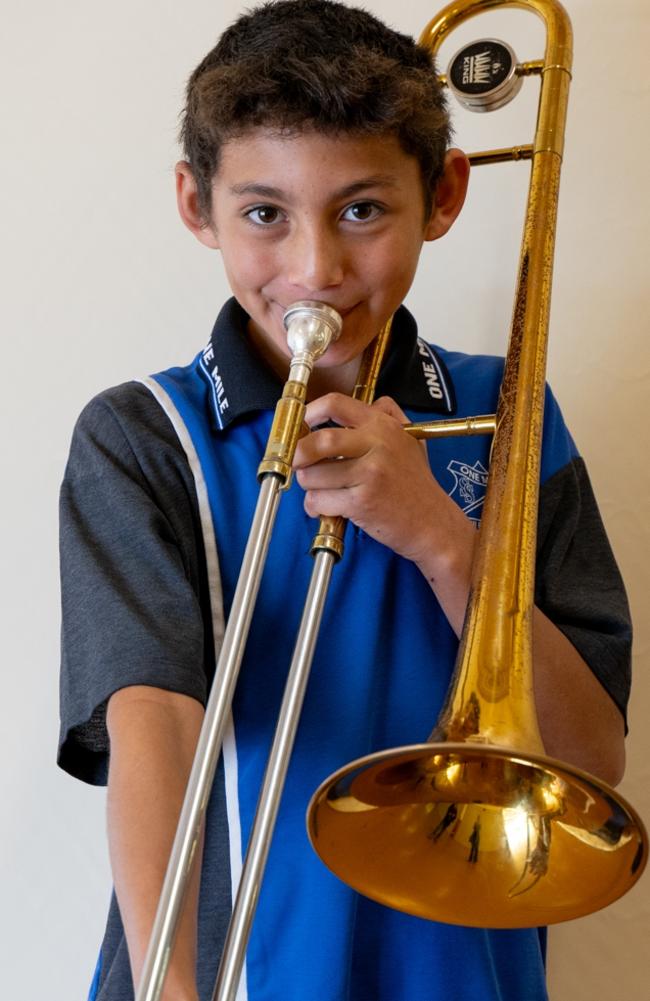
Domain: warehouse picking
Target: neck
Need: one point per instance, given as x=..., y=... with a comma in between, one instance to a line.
x=339, y=379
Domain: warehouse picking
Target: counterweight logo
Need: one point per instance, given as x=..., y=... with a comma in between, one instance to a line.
x=470, y=483
x=479, y=68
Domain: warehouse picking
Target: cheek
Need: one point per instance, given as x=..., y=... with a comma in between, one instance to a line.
x=398, y=261
x=393, y=278
x=409, y=259
x=248, y=268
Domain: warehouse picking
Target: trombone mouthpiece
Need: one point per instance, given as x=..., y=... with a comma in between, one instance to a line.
x=311, y=327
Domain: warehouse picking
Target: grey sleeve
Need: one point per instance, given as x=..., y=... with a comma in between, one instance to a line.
x=131, y=571
x=578, y=584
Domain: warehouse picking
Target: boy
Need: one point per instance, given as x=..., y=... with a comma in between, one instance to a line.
x=317, y=164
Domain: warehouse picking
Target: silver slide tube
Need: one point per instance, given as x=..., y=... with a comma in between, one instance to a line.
x=327, y=548
x=311, y=327
x=234, y=950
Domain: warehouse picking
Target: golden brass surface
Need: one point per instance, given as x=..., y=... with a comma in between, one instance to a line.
x=531, y=68
x=478, y=826
x=332, y=530
x=285, y=431
x=452, y=428
x=366, y=384
x=500, y=155
x=330, y=536
x=477, y=836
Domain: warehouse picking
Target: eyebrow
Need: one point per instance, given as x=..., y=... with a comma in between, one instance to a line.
x=357, y=187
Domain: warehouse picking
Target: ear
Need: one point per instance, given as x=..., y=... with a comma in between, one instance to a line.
x=187, y=199
x=450, y=194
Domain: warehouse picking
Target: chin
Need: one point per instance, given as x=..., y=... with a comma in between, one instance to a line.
x=341, y=355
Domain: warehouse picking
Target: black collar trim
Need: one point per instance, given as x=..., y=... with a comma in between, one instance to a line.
x=414, y=374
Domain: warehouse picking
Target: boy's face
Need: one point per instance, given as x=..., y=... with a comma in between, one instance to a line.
x=339, y=220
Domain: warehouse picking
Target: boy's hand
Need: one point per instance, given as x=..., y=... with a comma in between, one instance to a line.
x=367, y=470
x=370, y=471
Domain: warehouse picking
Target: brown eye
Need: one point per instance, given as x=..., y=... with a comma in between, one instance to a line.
x=263, y=215
x=362, y=212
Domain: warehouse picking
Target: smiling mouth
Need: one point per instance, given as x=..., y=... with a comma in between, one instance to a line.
x=342, y=312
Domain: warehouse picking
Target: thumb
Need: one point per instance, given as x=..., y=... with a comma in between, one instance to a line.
x=388, y=406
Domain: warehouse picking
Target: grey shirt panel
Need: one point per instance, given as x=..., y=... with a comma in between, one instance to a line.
x=578, y=584
x=138, y=612
x=134, y=581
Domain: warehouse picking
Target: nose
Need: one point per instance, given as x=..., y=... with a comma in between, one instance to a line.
x=316, y=260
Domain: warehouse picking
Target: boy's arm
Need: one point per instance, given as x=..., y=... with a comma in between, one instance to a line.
x=153, y=735
x=382, y=482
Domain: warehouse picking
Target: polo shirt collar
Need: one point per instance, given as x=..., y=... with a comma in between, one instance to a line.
x=413, y=374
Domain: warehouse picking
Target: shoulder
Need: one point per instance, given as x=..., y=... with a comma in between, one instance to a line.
x=124, y=430
x=126, y=466
x=127, y=413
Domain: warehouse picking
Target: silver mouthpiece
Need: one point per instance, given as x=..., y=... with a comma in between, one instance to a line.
x=311, y=327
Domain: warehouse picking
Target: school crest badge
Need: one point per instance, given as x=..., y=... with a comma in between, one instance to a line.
x=470, y=483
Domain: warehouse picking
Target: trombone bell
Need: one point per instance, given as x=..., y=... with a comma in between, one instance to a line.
x=477, y=835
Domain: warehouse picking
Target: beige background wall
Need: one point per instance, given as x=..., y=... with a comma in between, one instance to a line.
x=100, y=282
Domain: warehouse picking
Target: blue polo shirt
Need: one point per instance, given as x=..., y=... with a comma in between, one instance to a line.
x=178, y=458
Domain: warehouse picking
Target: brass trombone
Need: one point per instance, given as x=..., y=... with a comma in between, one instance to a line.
x=478, y=826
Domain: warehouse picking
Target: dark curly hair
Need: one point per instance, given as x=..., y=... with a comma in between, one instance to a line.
x=292, y=65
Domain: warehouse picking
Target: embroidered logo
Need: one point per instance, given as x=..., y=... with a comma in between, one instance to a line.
x=470, y=483
x=211, y=369
x=430, y=371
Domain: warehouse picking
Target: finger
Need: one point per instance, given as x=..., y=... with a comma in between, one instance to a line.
x=388, y=406
x=340, y=409
x=328, y=503
x=330, y=443
x=342, y=474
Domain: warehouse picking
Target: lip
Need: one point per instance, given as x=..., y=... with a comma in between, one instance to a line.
x=343, y=312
